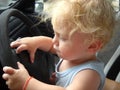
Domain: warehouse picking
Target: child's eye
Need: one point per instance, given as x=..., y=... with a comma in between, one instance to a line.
x=63, y=38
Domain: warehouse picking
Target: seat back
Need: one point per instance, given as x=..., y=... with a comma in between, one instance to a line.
x=106, y=54
x=111, y=53
x=112, y=68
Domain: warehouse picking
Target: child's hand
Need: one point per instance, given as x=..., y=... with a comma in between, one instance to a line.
x=27, y=43
x=15, y=78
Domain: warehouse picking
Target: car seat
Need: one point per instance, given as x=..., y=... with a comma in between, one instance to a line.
x=106, y=54
x=112, y=72
x=112, y=67
x=112, y=56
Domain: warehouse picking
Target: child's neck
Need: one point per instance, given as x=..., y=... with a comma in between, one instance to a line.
x=66, y=64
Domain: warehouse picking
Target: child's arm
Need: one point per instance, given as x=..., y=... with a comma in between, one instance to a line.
x=17, y=79
x=45, y=44
x=34, y=84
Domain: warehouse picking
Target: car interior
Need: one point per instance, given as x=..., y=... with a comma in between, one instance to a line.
x=20, y=18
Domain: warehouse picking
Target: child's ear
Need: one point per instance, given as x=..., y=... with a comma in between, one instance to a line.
x=95, y=46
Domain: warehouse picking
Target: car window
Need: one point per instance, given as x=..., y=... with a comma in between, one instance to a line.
x=115, y=4
x=6, y=3
x=38, y=5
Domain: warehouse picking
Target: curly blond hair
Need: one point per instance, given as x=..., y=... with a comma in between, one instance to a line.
x=96, y=17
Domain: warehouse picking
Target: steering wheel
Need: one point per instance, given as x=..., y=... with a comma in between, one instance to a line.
x=8, y=57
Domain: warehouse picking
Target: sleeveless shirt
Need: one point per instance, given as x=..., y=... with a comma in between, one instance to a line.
x=64, y=78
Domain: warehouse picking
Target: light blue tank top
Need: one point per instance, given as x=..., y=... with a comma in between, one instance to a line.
x=65, y=78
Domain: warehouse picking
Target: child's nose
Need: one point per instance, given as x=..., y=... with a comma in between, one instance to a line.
x=55, y=41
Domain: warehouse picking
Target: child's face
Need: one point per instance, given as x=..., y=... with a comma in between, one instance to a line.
x=70, y=48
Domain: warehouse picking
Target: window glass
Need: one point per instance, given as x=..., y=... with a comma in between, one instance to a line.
x=38, y=5
x=6, y=3
x=115, y=4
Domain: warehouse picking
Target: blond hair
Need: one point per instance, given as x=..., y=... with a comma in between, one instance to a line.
x=96, y=17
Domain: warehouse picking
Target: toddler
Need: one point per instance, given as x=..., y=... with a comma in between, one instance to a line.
x=81, y=28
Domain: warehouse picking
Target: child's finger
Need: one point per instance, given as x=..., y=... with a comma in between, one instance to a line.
x=32, y=56
x=15, y=44
x=5, y=76
x=22, y=47
x=8, y=70
x=20, y=65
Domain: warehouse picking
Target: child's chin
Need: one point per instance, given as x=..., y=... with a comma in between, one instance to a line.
x=59, y=55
